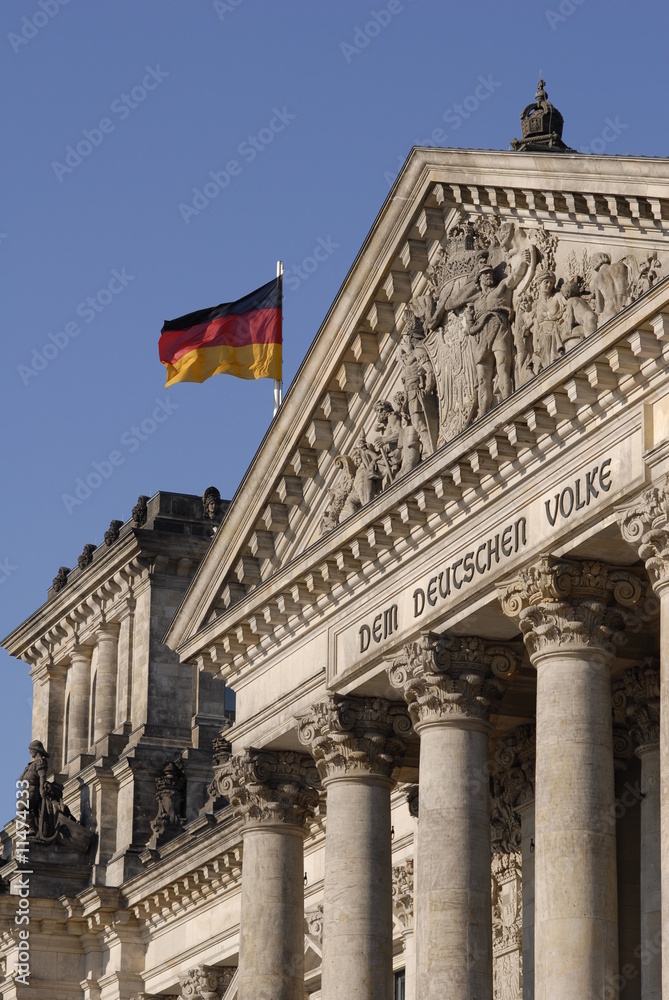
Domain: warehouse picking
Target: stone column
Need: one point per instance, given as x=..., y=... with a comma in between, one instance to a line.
x=640, y=689
x=79, y=694
x=105, y=688
x=356, y=743
x=645, y=525
x=403, y=909
x=450, y=687
x=573, y=616
x=274, y=792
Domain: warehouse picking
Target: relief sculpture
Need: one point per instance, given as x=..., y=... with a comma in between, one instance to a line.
x=502, y=303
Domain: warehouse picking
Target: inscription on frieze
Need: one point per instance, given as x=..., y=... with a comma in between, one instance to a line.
x=442, y=579
x=477, y=561
x=579, y=493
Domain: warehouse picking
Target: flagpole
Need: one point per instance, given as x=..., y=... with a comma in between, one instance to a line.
x=278, y=385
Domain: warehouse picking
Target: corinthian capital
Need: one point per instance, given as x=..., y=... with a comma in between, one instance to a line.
x=266, y=786
x=355, y=736
x=206, y=983
x=561, y=604
x=645, y=525
x=636, y=697
x=445, y=677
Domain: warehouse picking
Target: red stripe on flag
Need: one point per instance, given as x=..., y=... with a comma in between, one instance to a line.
x=261, y=326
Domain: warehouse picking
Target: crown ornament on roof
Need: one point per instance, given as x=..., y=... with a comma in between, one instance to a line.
x=542, y=125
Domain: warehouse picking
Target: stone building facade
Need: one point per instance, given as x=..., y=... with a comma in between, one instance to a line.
x=440, y=599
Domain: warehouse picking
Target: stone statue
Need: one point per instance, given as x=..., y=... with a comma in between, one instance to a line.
x=388, y=440
x=170, y=789
x=610, y=285
x=579, y=319
x=420, y=385
x=60, y=579
x=86, y=557
x=34, y=774
x=547, y=323
x=366, y=480
x=49, y=819
x=490, y=312
x=523, y=341
x=140, y=512
x=338, y=493
x=113, y=532
x=211, y=505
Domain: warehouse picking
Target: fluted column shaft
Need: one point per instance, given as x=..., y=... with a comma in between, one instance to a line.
x=274, y=793
x=573, y=616
x=79, y=696
x=449, y=688
x=105, y=687
x=356, y=744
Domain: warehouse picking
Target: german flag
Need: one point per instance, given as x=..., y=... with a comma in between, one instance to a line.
x=240, y=338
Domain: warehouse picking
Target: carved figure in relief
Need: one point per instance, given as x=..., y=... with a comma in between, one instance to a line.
x=579, y=319
x=388, y=441
x=491, y=313
x=523, y=342
x=366, y=480
x=419, y=383
x=549, y=314
x=170, y=789
x=338, y=493
x=610, y=285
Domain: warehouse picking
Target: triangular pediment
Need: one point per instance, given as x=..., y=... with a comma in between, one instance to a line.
x=481, y=270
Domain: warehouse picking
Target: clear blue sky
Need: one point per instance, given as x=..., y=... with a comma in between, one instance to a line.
x=318, y=104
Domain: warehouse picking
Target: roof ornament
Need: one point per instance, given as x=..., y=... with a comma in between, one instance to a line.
x=542, y=125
